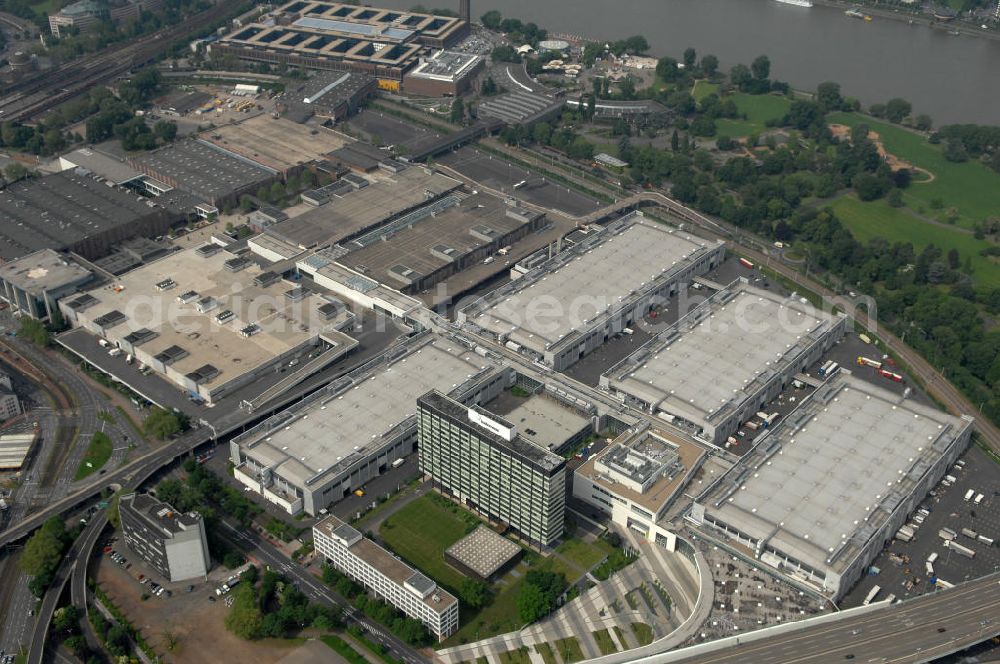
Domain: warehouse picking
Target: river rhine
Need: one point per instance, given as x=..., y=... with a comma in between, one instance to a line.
x=952, y=78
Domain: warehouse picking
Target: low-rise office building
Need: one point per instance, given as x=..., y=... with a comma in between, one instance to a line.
x=575, y=301
x=637, y=478
x=33, y=284
x=723, y=361
x=820, y=494
x=320, y=450
x=174, y=544
x=485, y=463
x=445, y=73
x=386, y=576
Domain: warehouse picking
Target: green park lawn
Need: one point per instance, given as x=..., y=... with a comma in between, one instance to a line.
x=98, y=453
x=604, y=642
x=703, y=88
x=758, y=109
x=643, y=633
x=970, y=187
x=879, y=219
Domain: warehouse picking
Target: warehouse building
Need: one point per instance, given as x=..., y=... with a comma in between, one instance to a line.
x=445, y=73
x=417, y=251
x=386, y=576
x=484, y=462
x=574, y=302
x=357, y=288
x=214, y=175
x=210, y=322
x=319, y=451
x=75, y=211
x=722, y=362
x=821, y=494
x=172, y=543
x=637, y=478
x=355, y=209
x=333, y=96
x=33, y=284
x=340, y=37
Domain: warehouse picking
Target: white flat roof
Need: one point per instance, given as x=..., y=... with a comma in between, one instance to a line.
x=833, y=470
x=570, y=297
x=336, y=429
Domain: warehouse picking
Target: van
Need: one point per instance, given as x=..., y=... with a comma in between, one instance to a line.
x=951, y=478
x=979, y=499
x=969, y=494
x=489, y=259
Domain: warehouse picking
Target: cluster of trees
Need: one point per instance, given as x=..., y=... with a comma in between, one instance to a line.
x=563, y=138
x=689, y=68
x=518, y=32
x=44, y=552
x=116, y=636
x=540, y=594
x=970, y=141
x=162, y=423
x=408, y=629
x=66, y=626
x=268, y=606
x=34, y=331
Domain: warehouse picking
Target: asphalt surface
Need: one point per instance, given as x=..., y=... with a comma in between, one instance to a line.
x=916, y=631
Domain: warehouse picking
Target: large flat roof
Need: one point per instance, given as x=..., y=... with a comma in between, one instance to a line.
x=546, y=421
x=285, y=320
x=446, y=66
x=101, y=164
x=342, y=429
x=44, y=270
x=358, y=210
x=713, y=356
x=584, y=286
x=202, y=168
x=275, y=142
x=431, y=242
x=822, y=483
x=57, y=211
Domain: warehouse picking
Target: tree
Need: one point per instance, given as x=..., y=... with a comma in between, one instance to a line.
x=877, y=110
x=895, y=198
x=740, y=76
x=34, y=331
x=690, y=58
x=43, y=553
x=492, y=19
x=709, y=65
x=828, y=96
x=896, y=109
x=14, y=172
x=489, y=87
x=165, y=131
x=955, y=151
x=161, y=424
x=532, y=604
x=761, y=67
x=475, y=593
x=457, y=111
x=923, y=122
x=245, y=619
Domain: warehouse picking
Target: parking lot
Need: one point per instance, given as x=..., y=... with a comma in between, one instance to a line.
x=497, y=173
x=902, y=565
x=382, y=129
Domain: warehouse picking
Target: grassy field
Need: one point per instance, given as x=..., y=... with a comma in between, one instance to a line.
x=604, y=642
x=582, y=553
x=970, y=187
x=702, y=89
x=98, y=453
x=569, y=650
x=643, y=633
x=879, y=219
x=758, y=109
x=421, y=531
x=46, y=7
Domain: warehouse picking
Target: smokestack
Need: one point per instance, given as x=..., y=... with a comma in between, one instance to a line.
x=465, y=10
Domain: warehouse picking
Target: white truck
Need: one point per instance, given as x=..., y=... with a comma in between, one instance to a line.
x=969, y=494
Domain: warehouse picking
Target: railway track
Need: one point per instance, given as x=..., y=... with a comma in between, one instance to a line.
x=29, y=98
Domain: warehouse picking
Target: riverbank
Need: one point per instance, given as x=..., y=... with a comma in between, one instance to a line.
x=915, y=18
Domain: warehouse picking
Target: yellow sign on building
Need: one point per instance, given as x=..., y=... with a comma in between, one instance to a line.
x=388, y=84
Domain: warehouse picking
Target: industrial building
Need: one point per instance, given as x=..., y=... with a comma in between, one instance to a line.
x=521, y=108
x=97, y=163
x=357, y=288
x=354, y=210
x=276, y=143
x=418, y=251
x=172, y=543
x=445, y=73
x=638, y=477
x=822, y=492
x=211, y=322
x=75, y=211
x=575, y=301
x=316, y=34
x=214, y=175
x=484, y=462
x=558, y=425
x=723, y=361
x=320, y=450
x=333, y=96
x=33, y=284
x=386, y=576
x=483, y=554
